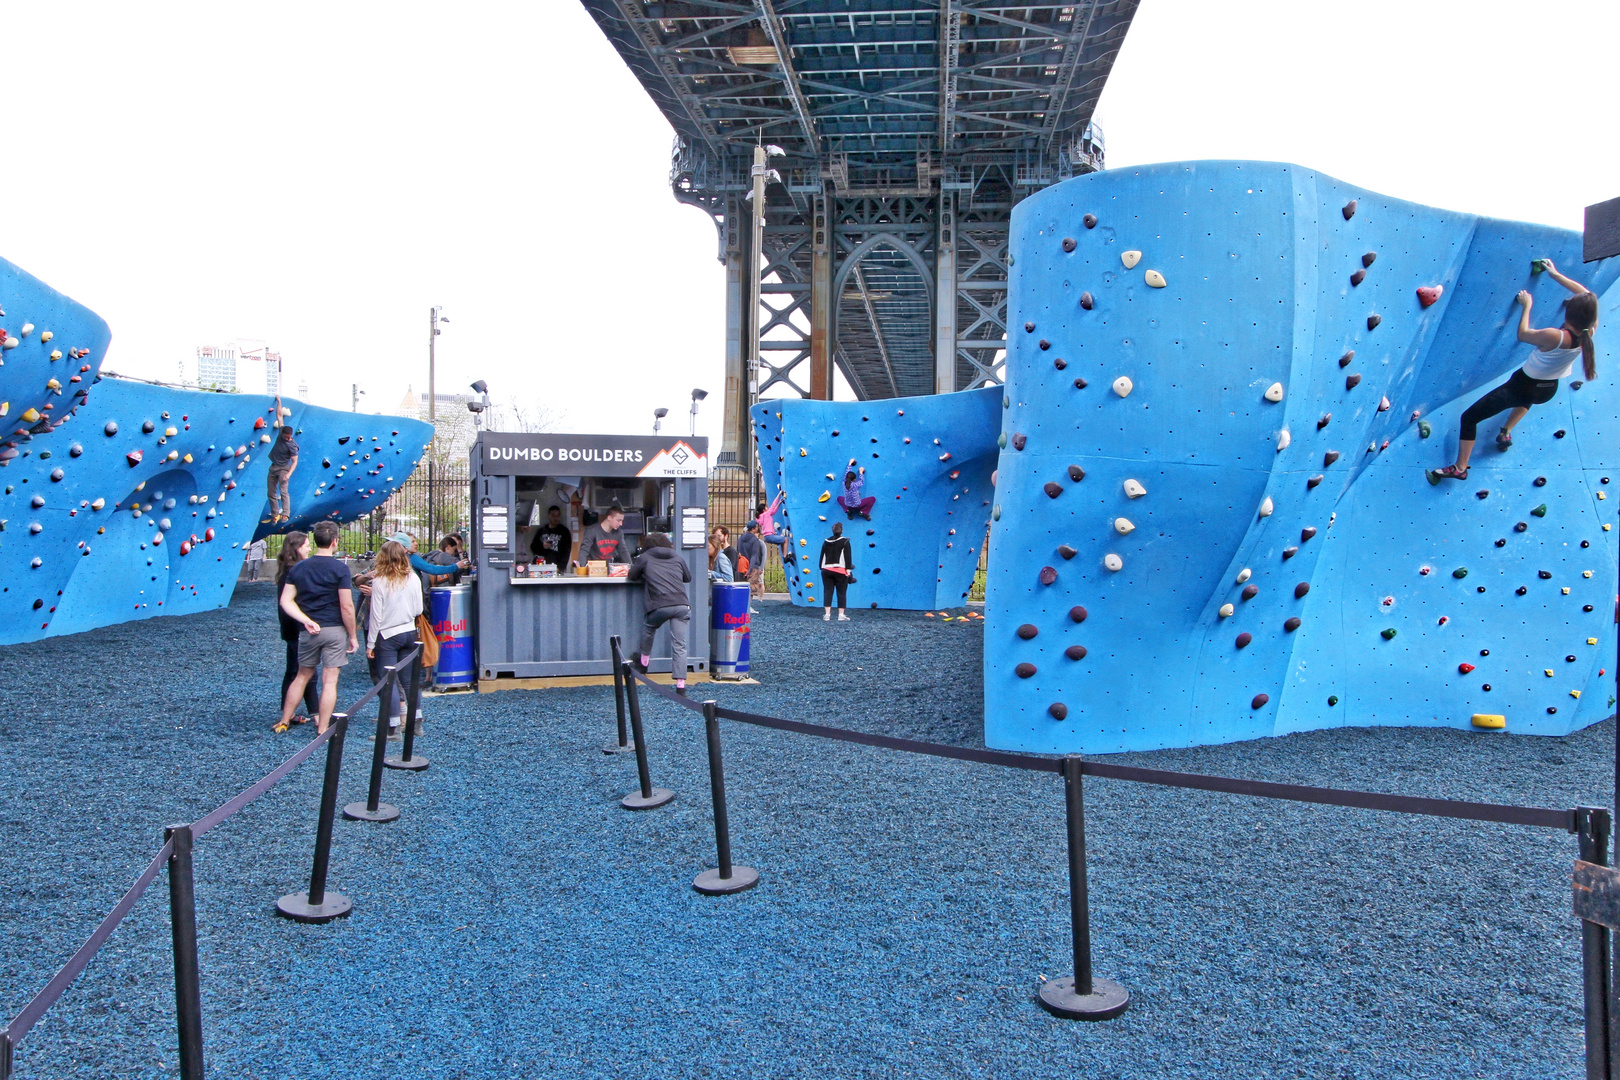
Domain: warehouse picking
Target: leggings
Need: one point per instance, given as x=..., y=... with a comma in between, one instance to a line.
x=1519, y=392
x=312, y=689
x=831, y=581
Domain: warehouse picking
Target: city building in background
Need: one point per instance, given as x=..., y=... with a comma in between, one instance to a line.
x=238, y=368
x=452, y=421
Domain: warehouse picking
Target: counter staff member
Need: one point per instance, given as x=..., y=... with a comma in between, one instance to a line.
x=552, y=541
x=604, y=541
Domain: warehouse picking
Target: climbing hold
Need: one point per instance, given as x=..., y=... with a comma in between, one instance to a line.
x=258, y=425
x=1154, y=279
x=1076, y=473
x=1344, y=361
x=1465, y=668
x=1058, y=710
x=1493, y=721
x=1460, y=572
x=1373, y=321
x=76, y=450
x=1358, y=277
x=1001, y=440
x=1521, y=526
x=1048, y=575
x=1068, y=243
x=1266, y=507
x=1123, y=526
x=1090, y=221
x=1066, y=551
x=1029, y=328
x=1114, y=562
x=1086, y=301
x=1274, y=392
x=1520, y=591
x=825, y=495
x=1053, y=490
x=1244, y=575
x=1349, y=210
x=1134, y=490
x=1289, y=553
x=1327, y=418
x=1018, y=440
x=1540, y=511
x=802, y=451
x=1383, y=405
x=1044, y=344
x=1077, y=613
x=1226, y=611
x=1312, y=481
x=1427, y=295
x=1329, y=458
x=1130, y=258
x=1243, y=640
x=1250, y=591
x=1301, y=589
x=1424, y=430
x=1079, y=384
x=1306, y=533
x=1333, y=699
x=1122, y=386
x=133, y=457
x=1259, y=701
x=1283, y=439
x=1559, y=434
x=1291, y=624
x=1353, y=381
x=1060, y=363
x=1388, y=634
x=1028, y=630
x=1544, y=575
x=1024, y=670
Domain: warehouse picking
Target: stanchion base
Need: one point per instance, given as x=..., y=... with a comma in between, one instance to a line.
x=710, y=883
x=414, y=763
x=1107, y=999
x=636, y=801
x=296, y=906
x=356, y=811
x=615, y=748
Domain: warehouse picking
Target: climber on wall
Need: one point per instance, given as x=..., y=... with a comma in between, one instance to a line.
x=1537, y=381
x=851, y=499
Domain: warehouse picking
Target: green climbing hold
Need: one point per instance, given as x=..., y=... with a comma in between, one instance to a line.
x=1424, y=430
x=1388, y=634
x=1540, y=511
x=1001, y=440
x=1537, y=265
x=1333, y=700
x=1460, y=572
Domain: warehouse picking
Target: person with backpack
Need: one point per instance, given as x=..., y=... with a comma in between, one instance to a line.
x=751, y=561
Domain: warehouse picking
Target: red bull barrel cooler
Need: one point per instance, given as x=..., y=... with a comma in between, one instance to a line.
x=728, y=629
x=452, y=625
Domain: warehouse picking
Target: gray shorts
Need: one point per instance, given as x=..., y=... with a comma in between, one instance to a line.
x=329, y=648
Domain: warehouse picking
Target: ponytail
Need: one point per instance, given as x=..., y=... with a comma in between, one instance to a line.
x=1588, y=353
x=1580, y=315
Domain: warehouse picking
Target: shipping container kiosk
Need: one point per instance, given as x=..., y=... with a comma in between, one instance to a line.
x=540, y=627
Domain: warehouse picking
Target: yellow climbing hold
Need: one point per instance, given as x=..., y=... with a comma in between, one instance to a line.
x=1586, y=573
x=5, y=407
x=1565, y=590
x=1575, y=693
x=1591, y=641
x=803, y=452
x=1154, y=279
x=186, y=459
x=1548, y=672
x=1130, y=258
x=824, y=497
x=801, y=544
x=1489, y=720
x=52, y=384
x=31, y=415
x=1605, y=526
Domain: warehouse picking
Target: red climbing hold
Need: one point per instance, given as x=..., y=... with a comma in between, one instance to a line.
x=1243, y=640
x=1301, y=589
x=185, y=547
x=1048, y=575
x=258, y=423
x=1028, y=630
x=1052, y=489
x=1429, y=294
x=1464, y=669
x=208, y=534
x=1024, y=670
x=133, y=457
x=1058, y=710
x=1077, y=613
x=1075, y=652
x=1259, y=701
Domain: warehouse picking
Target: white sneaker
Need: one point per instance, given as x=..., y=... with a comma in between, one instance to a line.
x=843, y=618
x=826, y=616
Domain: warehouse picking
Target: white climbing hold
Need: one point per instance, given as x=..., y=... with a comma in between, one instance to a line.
x=1134, y=490
x=1154, y=279
x=1283, y=439
x=1383, y=406
x=1266, y=507
x=1122, y=386
x=27, y=328
x=1274, y=392
x=1113, y=562
x=10, y=343
x=1226, y=611
x=1130, y=258
x=56, y=354
x=98, y=504
x=1244, y=575
x=1123, y=526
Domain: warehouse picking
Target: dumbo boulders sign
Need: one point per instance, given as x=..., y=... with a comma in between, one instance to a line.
x=513, y=454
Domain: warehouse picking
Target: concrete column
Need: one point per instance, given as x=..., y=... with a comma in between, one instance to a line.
x=945, y=296
x=740, y=322
x=821, y=301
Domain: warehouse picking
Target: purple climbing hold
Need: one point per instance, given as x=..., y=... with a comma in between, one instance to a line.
x=1349, y=210
x=1352, y=381
x=1251, y=591
x=1521, y=526
x=1086, y=301
x=1259, y=701
x=1075, y=652
x=1313, y=481
x=1329, y=458
x=1044, y=344
x=1068, y=243
x=1289, y=553
x=1076, y=473
x=1066, y=551
x=1077, y=613
x=1373, y=321
x=1482, y=493
x=1060, y=363
x=1058, y=710
x=1369, y=258
x=1306, y=533
x=1540, y=481
x=1018, y=440
x=1048, y=575
x=1028, y=630
x=1053, y=489
x=1301, y=589
x=1029, y=328
x=1327, y=418
x=1292, y=624
x=1090, y=221
x=1358, y=277
x=1344, y=361
x=1024, y=670
x=1079, y=384
x=1243, y=639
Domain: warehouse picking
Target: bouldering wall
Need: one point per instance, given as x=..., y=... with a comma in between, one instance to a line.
x=928, y=463
x=1225, y=383
x=145, y=502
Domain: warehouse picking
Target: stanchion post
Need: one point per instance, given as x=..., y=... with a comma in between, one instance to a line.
x=727, y=878
x=1592, y=828
x=408, y=759
x=374, y=809
x=645, y=797
x=6, y=1055
x=1082, y=996
x=317, y=905
x=183, y=924
x=620, y=678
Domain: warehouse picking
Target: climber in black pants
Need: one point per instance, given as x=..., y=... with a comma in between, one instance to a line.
x=837, y=571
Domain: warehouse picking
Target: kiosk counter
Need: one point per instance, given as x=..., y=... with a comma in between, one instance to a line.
x=538, y=620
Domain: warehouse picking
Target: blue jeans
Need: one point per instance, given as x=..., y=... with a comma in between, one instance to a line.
x=389, y=650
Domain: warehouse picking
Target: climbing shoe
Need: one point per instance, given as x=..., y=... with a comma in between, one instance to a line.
x=1450, y=472
x=1503, y=439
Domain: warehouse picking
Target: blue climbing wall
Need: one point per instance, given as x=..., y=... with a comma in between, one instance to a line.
x=928, y=464
x=1207, y=285
x=124, y=500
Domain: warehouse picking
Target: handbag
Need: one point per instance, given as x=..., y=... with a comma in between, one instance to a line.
x=430, y=641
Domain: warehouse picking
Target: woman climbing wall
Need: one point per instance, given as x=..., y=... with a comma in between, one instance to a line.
x=851, y=499
x=1537, y=381
x=837, y=571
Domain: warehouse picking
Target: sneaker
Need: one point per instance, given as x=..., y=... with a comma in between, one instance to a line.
x=418, y=732
x=826, y=616
x=753, y=611
x=843, y=618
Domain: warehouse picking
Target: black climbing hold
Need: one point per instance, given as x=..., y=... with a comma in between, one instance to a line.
x=1306, y=533
x=1502, y=542
x=326, y=463
x=1312, y=482
x=1250, y=591
x=1028, y=630
x=1586, y=543
x=1551, y=709
x=1090, y=221
x=1588, y=607
x=871, y=532
x=1486, y=688
x=1086, y=301
x=148, y=427
x=1075, y=652
x=1373, y=321
x=1289, y=553
x=1079, y=384
x=1559, y=434
x=1570, y=659
x=1484, y=652
x=1358, y=277
x=1259, y=701
x=1330, y=457
x=1327, y=418
x=1060, y=363
x=1076, y=473
x=1540, y=481
x=1029, y=328
x=1369, y=258
x=1077, y=613
x=1018, y=441
x=1352, y=381
x=1301, y=589
x=1540, y=511
x=1044, y=344
x=111, y=429
x=1024, y=670
x=835, y=433
x=1243, y=640
x=1333, y=699
x=1068, y=243
x=1460, y=572
x=1482, y=493
x=1048, y=575
x=1058, y=710
x=38, y=604
x=1067, y=552
x=877, y=569
x=1344, y=361
x=1521, y=526
x=1576, y=384
x=1349, y=210
x=343, y=440
x=1544, y=575
x=1480, y=589
x=1053, y=489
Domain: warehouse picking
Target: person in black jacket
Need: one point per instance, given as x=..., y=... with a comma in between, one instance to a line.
x=294, y=547
x=665, y=576
x=837, y=571
x=552, y=542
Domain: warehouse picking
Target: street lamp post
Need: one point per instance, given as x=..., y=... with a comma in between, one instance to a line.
x=434, y=319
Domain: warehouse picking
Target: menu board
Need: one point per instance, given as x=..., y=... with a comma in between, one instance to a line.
x=493, y=527
x=694, y=526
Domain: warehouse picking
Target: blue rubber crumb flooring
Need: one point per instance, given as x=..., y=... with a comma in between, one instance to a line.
x=517, y=922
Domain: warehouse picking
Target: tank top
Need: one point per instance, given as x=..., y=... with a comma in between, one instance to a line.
x=1551, y=364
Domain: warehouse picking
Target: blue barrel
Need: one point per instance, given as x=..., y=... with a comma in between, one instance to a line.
x=728, y=629
x=452, y=624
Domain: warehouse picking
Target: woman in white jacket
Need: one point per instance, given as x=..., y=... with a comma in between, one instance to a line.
x=396, y=601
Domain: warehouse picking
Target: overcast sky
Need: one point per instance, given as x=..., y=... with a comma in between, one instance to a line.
x=317, y=175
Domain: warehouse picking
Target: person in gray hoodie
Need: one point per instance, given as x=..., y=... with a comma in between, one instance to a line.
x=664, y=575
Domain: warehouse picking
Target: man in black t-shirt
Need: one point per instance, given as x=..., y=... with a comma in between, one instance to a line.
x=552, y=541
x=318, y=595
